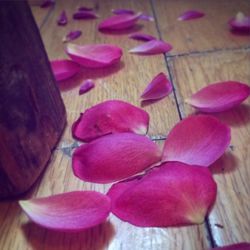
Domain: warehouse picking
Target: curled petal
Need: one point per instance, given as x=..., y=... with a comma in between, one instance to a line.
x=142, y=37
x=151, y=48
x=84, y=14
x=73, y=211
x=114, y=157
x=62, y=20
x=146, y=17
x=197, y=140
x=158, y=88
x=64, y=69
x=72, y=35
x=47, y=3
x=219, y=96
x=190, y=14
x=108, y=117
x=94, y=56
x=238, y=246
x=86, y=86
x=122, y=11
x=240, y=23
x=173, y=194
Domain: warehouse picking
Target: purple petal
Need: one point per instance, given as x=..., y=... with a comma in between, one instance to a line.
x=84, y=8
x=142, y=37
x=146, y=17
x=62, y=20
x=83, y=14
x=47, y=3
x=240, y=23
x=72, y=35
x=86, y=86
x=190, y=14
x=122, y=11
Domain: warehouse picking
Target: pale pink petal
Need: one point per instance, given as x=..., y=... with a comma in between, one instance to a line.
x=190, y=14
x=62, y=20
x=119, y=22
x=73, y=211
x=142, y=37
x=197, y=140
x=47, y=3
x=114, y=157
x=122, y=11
x=146, y=17
x=151, y=48
x=64, y=69
x=72, y=35
x=84, y=14
x=240, y=23
x=94, y=56
x=174, y=194
x=219, y=96
x=238, y=246
x=158, y=88
x=86, y=86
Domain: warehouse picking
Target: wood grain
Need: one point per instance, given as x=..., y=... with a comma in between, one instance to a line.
x=40, y=14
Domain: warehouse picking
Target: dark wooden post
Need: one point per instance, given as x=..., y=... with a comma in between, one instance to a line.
x=32, y=114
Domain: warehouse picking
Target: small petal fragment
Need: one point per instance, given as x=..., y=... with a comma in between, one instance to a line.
x=114, y=157
x=190, y=14
x=84, y=14
x=122, y=11
x=142, y=37
x=94, y=56
x=108, y=117
x=72, y=35
x=152, y=48
x=197, y=140
x=73, y=211
x=62, y=20
x=64, y=69
x=219, y=96
x=173, y=194
x=86, y=86
x=84, y=8
x=47, y=3
x=158, y=88
x=238, y=246
x=146, y=17
x=240, y=23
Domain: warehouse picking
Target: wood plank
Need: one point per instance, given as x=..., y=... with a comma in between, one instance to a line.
x=40, y=14
x=208, y=33
x=232, y=170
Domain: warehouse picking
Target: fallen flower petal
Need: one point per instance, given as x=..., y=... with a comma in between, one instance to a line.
x=84, y=14
x=62, y=20
x=96, y=55
x=219, y=96
x=73, y=211
x=108, y=117
x=190, y=14
x=152, y=47
x=173, y=194
x=86, y=86
x=84, y=8
x=197, y=140
x=146, y=17
x=47, y=3
x=72, y=35
x=142, y=37
x=122, y=11
x=64, y=69
x=114, y=157
x=238, y=246
x=158, y=88
x=240, y=23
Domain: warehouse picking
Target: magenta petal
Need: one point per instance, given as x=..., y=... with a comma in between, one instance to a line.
x=73, y=211
x=173, y=194
x=151, y=48
x=238, y=246
x=142, y=37
x=123, y=11
x=190, y=14
x=62, y=20
x=240, y=23
x=146, y=17
x=114, y=157
x=197, y=140
x=94, y=56
x=72, y=35
x=86, y=86
x=108, y=117
x=158, y=88
x=219, y=96
x=64, y=69
x=47, y=3
x=84, y=14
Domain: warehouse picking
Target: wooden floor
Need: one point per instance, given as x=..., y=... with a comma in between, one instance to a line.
x=204, y=52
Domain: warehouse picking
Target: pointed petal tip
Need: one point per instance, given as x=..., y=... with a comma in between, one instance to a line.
x=190, y=15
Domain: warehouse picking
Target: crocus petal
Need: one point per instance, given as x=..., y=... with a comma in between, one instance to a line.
x=158, y=88
x=197, y=140
x=122, y=11
x=73, y=211
x=72, y=35
x=84, y=14
x=64, y=69
x=190, y=14
x=62, y=20
x=146, y=17
x=240, y=23
x=47, y=3
x=114, y=157
x=108, y=117
x=173, y=194
x=96, y=55
x=86, y=86
x=119, y=22
x=219, y=96
x=238, y=246
x=151, y=48
x=142, y=37
x=84, y=8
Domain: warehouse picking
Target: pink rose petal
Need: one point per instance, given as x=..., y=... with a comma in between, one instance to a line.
x=94, y=56
x=64, y=69
x=72, y=35
x=146, y=17
x=190, y=14
x=62, y=20
x=119, y=22
x=151, y=48
x=84, y=14
x=114, y=157
x=197, y=140
x=238, y=246
x=122, y=11
x=86, y=86
x=158, y=88
x=47, y=3
x=219, y=96
x=73, y=211
x=142, y=37
x=240, y=23
x=108, y=117
x=173, y=194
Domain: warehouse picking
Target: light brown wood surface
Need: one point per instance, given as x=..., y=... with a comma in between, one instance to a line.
x=126, y=81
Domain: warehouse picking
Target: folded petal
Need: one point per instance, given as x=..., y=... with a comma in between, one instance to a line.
x=142, y=37
x=108, y=117
x=64, y=69
x=197, y=140
x=238, y=246
x=146, y=17
x=173, y=194
x=94, y=56
x=151, y=48
x=72, y=35
x=240, y=23
x=119, y=22
x=158, y=88
x=86, y=86
x=62, y=20
x=114, y=157
x=122, y=11
x=73, y=211
x=219, y=96
x=84, y=14
x=190, y=14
